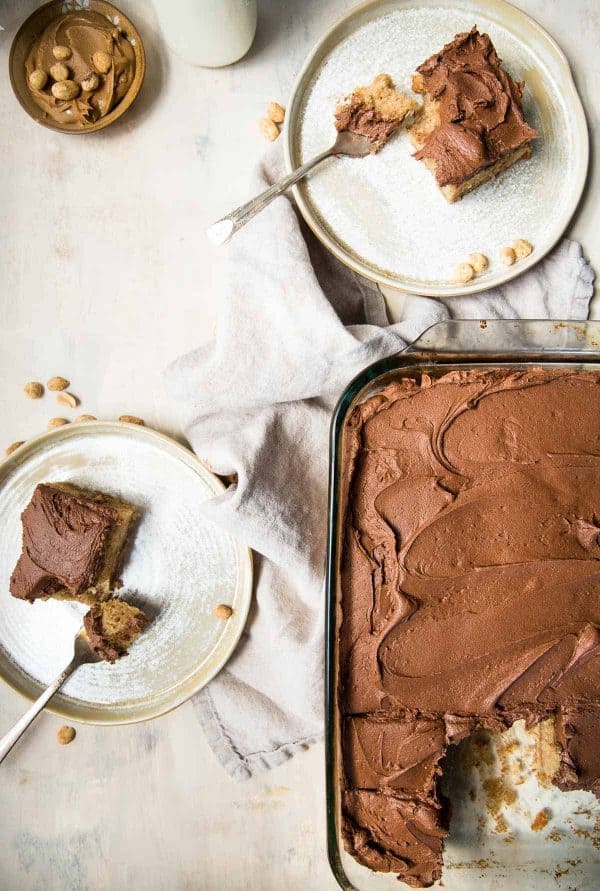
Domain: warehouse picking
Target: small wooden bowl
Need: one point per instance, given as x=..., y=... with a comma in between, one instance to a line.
x=29, y=32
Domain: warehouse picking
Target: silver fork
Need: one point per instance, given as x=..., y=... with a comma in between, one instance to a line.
x=82, y=654
x=347, y=143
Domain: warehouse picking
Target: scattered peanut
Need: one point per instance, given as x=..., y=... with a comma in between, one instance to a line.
x=67, y=399
x=276, y=112
x=522, y=248
x=59, y=71
x=463, y=273
x=90, y=82
x=66, y=735
x=38, y=79
x=269, y=129
x=81, y=418
x=508, y=256
x=61, y=52
x=479, y=262
x=33, y=390
x=223, y=611
x=102, y=62
x=65, y=89
x=14, y=446
x=58, y=383
x=131, y=419
x=56, y=422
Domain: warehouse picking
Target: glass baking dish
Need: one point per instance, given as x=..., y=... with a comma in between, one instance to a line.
x=569, y=858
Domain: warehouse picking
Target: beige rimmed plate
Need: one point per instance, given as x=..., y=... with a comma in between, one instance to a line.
x=384, y=216
x=179, y=568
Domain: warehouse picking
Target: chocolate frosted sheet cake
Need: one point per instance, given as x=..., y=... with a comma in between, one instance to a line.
x=73, y=544
x=470, y=583
x=472, y=126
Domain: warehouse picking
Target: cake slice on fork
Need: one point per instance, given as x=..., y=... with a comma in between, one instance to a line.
x=375, y=111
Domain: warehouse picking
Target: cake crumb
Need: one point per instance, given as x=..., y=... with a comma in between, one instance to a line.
x=541, y=820
x=498, y=794
x=223, y=611
x=66, y=735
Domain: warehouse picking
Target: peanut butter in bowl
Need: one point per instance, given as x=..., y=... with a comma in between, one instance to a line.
x=77, y=70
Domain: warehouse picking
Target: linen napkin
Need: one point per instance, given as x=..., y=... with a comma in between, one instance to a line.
x=293, y=329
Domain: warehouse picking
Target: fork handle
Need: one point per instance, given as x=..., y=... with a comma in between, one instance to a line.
x=221, y=231
x=8, y=741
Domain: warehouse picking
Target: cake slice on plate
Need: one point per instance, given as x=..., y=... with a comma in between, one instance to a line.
x=73, y=544
x=472, y=125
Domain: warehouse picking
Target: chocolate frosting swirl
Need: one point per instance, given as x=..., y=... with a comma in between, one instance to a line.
x=479, y=108
x=63, y=543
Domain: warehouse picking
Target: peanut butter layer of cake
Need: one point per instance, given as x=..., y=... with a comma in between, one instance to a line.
x=112, y=626
x=470, y=592
x=73, y=544
x=472, y=125
x=375, y=111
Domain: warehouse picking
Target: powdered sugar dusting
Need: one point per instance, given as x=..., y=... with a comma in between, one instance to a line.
x=180, y=567
x=386, y=208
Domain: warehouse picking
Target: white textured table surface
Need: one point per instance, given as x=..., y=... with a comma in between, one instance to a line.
x=106, y=276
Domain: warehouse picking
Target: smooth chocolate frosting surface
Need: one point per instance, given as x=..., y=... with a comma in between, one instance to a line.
x=84, y=33
x=63, y=543
x=470, y=584
x=479, y=106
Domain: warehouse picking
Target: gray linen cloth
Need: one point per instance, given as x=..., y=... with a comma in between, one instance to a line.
x=293, y=328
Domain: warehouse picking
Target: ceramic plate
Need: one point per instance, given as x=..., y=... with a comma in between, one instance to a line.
x=179, y=568
x=383, y=215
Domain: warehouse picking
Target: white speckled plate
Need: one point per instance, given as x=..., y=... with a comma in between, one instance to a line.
x=383, y=215
x=179, y=568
